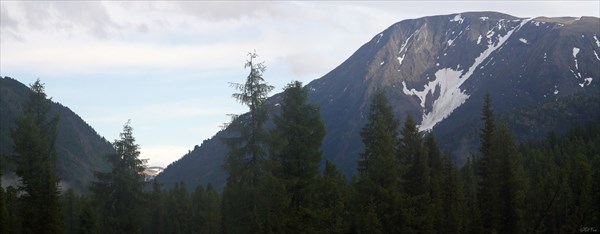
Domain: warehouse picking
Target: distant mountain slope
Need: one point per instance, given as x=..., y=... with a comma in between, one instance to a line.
x=438, y=69
x=80, y=149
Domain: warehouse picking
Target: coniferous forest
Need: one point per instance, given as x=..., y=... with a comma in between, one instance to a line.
x=405, y=182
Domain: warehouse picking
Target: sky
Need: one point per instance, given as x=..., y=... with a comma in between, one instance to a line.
x=167, y=65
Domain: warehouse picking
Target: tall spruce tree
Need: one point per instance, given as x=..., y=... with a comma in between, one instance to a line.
x=298, y=137
x=251, y=193
x=502, y=185
x=488, y=171
x=378, y=183
x=471, y=213
x=119, y=193
x=437, y=185
x=511, y=182
x=417, y=179
x=35, y=158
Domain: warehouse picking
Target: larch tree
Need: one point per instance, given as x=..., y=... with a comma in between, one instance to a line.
x=35, y=158
x=251, y=190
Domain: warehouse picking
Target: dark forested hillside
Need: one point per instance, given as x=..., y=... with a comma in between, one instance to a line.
x=81, y=151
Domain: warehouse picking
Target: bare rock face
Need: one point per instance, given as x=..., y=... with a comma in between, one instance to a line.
x=438, y=69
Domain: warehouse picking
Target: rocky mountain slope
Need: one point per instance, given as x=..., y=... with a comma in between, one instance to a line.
x=438, y=69
x=80, y=149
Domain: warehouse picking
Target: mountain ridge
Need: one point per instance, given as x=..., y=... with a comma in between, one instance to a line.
x=80, y=149
x=436, y=69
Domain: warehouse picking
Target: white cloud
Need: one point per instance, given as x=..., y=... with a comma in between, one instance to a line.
x=162, y=155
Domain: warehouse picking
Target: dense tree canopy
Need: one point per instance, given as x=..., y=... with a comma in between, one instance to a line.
x=405, y=183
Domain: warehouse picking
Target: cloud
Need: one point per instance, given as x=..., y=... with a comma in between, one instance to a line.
x=162, y=155
x=70, y=17
x=8, y=25
x=223, y=11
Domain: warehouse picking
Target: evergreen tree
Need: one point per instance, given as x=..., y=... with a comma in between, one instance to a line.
x=251, y=194
x=488, y=171
x=179, y=209
x=411, y=143
x=71, y=209
x=35, y=158
x=378, y=183
x=88, y=219
x=206, y=210
x=472, y=217
x=13, y=203
x=299, y=134
x=438, y=172
x=511, y=182
x=119, y=193
x=417, y=179
x=3, y=210
x=332, y=198
x=502, y=184
x=157, y=209
x=452, y=199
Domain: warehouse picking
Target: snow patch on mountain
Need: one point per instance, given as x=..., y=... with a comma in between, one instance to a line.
x=523, y=40
x=380, y=36
x=457, y=18
x=597, y=57
x=479, y=39
x=575, y=52
x=447, y=82
x=404, y=49
x=450, y=42
x=597, y=41
x=586, y=82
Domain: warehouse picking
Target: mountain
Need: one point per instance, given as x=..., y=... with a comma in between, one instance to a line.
x=438, y=70
x=79, y=148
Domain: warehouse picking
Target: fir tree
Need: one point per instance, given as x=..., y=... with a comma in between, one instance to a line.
x=437, y=185
x=35, y=158
x=332, y=198
x=206, y=210
x=510, y=180
x=298, y=135
x=489, y=174
x=378, y=183
x=119, y=193
x=472, y=218
x=417, y=180
x=179, y=209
